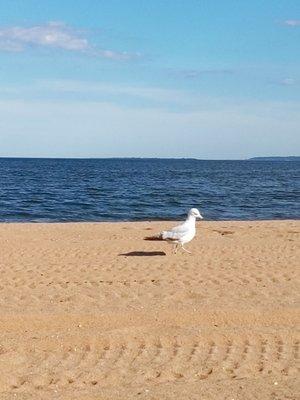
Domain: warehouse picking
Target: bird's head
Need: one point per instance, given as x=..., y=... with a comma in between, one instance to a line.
x=194, y=212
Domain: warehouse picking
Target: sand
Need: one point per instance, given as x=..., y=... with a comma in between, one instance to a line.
x=92, y=311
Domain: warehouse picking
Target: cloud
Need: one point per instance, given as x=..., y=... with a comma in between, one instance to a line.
x=91, y=87
x=196, y=73
x=117, y=55
x=131, y=96
x=55, y=35
x=292, y=22
x=52, y=34
x=100, y=129
x=287, y=82
x=117, y=93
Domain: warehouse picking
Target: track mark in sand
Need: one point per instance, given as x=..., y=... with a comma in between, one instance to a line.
x=64, y=281
x=279, y=352
x=262, y=355
x=193, y=352
x=176, y=348
x=228, y=350
x=245, y=350
x=211, y=350
x=225, y=232
x=296, y=349
x=141, y=349
x=183, y=358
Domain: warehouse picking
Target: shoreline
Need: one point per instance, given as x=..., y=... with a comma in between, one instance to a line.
x=167, y=221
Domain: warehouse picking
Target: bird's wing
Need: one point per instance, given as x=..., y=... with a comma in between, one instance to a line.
x=176, y=233
x=180, y=228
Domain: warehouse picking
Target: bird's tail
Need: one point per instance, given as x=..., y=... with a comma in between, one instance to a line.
x=155, y=237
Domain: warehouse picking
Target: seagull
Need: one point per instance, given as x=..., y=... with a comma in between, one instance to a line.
x=181, y=234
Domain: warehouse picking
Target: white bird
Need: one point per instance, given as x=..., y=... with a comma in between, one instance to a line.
x=181, y=234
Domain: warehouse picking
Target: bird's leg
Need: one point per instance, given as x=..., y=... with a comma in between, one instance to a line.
x=186, y=249
x=175, y=248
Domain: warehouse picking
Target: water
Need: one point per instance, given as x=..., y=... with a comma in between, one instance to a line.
x=52, y=190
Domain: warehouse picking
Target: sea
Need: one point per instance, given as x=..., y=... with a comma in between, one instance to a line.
x=65, y=190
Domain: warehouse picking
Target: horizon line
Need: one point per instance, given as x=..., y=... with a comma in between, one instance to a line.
x=145, y=158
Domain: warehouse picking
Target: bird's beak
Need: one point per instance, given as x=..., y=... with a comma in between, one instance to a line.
x=200, y=216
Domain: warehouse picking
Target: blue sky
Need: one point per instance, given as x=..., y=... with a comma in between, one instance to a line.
x=205, y=79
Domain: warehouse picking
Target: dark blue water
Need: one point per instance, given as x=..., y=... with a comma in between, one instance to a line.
x=146, y=189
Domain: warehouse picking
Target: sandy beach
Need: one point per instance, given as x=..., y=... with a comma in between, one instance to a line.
x=92, y=311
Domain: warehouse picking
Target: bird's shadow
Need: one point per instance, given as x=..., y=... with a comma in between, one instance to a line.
x=143, y=254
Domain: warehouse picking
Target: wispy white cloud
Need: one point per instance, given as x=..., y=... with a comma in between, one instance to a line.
x=55, y=35
x=92, y=129
x=52, y=34
x=92, y=87
x=76, y=90
x=292, y=22
x=197, y=73
x=116, y=55
x=287, y=82
x=129, y=97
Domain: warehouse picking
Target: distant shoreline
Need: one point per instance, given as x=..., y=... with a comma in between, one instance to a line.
x=270, y=158
x=288, y=158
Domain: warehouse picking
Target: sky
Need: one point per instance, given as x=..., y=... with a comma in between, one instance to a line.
x=139, y=78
